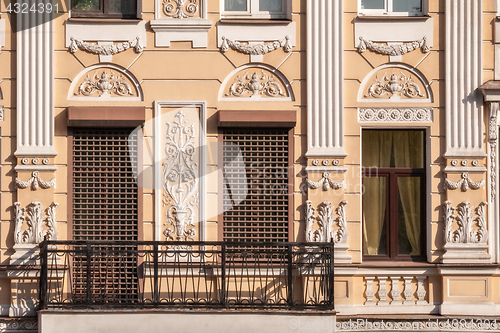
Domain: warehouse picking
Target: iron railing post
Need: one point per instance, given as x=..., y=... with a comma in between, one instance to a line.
x=223, y=276
x=290, y=277
x=43, y=275
x=156, y=296
x=89, y=274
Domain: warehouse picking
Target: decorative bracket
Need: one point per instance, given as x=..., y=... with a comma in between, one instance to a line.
x=463, y=183
x=326, y=183
x=35, y=181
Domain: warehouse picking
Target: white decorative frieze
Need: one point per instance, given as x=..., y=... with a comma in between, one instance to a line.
x=180, y=179
x=35, y=231
x=465, y=183
x=35, y=181
x=256, y=85
x=393, y=50
x=180, y=9
x=395, y=115
x=493, y=141
x=256, y=49
x=394, y=85
x=105, y=49
x=325, y=183
x=326, y=222
x=470, y=229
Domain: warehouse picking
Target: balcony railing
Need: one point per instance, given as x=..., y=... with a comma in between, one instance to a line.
x=96, y=275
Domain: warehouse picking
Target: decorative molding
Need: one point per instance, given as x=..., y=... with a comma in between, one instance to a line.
x=463, y=183
x=395, y=85
x=393, y=50
x=35, y=181
x=326, y=222
x=360, y=324
x=105, y=50
x=35, y=234
x=465, y=233
x=180, y=9
x=493, y=141
x=395, y=115
x=326, y=183
x=180, y=175
x=1, y=112
x=256, y=49
x=256, y=85
x=105, y=82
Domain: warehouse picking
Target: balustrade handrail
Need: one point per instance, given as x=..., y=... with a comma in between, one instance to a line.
x=155, y=274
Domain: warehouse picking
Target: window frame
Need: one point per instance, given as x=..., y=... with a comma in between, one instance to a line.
x=103, y=13
x=392, y=206
x=254, y=13
x=388, y=10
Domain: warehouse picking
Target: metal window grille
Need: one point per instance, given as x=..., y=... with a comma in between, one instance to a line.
x=261, y=214
x=105, y=208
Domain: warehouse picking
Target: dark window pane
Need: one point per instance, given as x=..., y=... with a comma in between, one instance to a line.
x=235, y=5
x=372, y=4
x=407, y=6
x=393, y=149
x=270, y=6
x=123, y=7
x=374, y=215
x=409, y=215
x=86, y=4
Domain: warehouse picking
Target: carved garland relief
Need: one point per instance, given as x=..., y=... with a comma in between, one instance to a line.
x=256, y=49
x=393, y=50
x=105, y=49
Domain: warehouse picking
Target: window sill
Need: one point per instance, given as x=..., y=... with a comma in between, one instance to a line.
x=254, y=21
x=393, y=17
x=104, y=20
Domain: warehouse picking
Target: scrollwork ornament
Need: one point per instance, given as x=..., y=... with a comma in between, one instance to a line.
x=256, y=85
x=105, y=85
x=394, y=85
x=180, y=181
x=180, y=9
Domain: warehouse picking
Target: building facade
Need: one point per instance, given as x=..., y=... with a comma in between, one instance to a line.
x=281, y=165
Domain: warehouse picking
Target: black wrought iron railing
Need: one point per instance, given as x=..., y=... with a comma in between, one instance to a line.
x=92, y=274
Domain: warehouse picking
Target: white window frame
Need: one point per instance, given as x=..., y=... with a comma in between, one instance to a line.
x=388, y=10
x=253, y=11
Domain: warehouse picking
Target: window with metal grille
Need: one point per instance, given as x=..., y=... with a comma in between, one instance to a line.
x=256, y=201
x=105, y=208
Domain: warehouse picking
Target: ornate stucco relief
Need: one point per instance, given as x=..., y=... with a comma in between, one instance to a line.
x=470, y=229
x=180, y=9
x=393, y=50
x=105, y=83
x=180, y=179
x=465, y=183
x=35, y=181
x=493, y=140
x=395, y=83
x=326, y=222
x=105, y=49
x=35, y=232
x=325, y=183
x=255, y=49
x=395, y=115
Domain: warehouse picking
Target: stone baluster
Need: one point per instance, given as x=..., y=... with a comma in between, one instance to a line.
x=421, y=290
x=382, y=291
x=408, y=293
x=369, y=290
x=395, y=290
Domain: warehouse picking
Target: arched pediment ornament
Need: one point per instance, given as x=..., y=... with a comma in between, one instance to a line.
x=105, y=83
x=395, y=83
x=256, y=83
